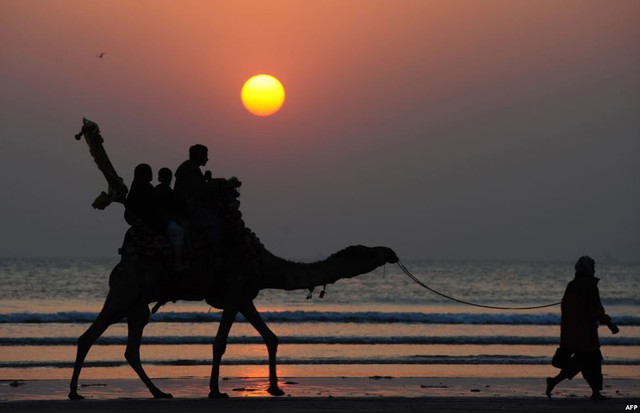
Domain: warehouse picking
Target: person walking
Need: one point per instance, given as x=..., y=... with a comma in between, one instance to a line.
x=582, y=311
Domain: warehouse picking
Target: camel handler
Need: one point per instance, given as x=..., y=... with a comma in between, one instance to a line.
x=579, y=349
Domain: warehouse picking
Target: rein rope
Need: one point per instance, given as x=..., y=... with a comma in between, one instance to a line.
x=423, y=285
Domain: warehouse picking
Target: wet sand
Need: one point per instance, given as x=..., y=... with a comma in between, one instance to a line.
x=321, y=405
x=315, y=394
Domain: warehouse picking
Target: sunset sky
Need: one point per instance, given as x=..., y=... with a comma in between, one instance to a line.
x=442, y=129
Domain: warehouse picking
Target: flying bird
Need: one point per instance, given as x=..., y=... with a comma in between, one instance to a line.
x=99, y=56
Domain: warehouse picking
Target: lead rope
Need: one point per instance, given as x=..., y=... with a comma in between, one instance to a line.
x=423, y=285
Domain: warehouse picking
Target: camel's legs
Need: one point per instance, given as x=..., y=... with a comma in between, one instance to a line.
x=86, y=340
x=250, y=312
x=219, y=347
x=137, y=319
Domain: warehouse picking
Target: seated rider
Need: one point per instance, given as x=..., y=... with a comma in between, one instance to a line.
x=142, y=202
x=169, y=207
x=191, y=192
x=167, y=200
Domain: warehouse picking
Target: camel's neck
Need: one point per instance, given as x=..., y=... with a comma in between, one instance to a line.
x=347, y=263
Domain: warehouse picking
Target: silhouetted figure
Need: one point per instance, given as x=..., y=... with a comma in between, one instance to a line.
x=167, y=199
x=195, y=198
x=169, y=207
x=579, y=343
x=190, y=181
x=143, y=203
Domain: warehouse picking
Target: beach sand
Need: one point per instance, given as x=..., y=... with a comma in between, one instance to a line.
x=313, y=405
x=325, y=394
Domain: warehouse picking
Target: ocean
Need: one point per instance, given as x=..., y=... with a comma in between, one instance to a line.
x=376, y=325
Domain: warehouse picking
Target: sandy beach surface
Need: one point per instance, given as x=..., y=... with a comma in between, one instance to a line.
x=311, y=405
x=314, y=394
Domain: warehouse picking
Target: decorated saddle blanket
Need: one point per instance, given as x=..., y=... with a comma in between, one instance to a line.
x=240, y=250
x=148, y=243
x=144, y=242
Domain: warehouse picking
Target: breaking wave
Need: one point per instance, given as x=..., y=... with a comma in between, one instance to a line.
x=345, y=340
x=417, y=359
x=371, y=317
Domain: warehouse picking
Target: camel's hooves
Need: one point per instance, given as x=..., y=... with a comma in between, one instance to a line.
x=275, y=391
x=218, y=395
x=75, y=396
x=162, y=395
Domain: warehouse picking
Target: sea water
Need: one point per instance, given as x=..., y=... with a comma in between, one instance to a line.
x=378, y=324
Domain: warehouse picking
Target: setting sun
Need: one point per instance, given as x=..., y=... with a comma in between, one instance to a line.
x=263, y=95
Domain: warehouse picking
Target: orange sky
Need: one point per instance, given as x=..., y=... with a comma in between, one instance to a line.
x=399, y=116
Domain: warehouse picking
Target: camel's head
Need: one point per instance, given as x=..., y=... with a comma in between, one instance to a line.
x=358, y=259
x=388, y=255
x=377, y=255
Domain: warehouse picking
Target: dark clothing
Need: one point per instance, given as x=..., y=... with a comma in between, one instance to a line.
x=196, y=199
x=589, y=363
x=167, y=201
x=581, y=313
x=190, y=184
x=142, y=202
x=579, y=343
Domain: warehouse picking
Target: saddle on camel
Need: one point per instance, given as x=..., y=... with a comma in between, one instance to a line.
x=214, y=252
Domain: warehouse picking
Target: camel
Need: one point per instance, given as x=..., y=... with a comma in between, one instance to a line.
x=132, y=289
x=247, y=268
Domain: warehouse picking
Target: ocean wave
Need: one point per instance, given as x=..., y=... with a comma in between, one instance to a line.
x=345, y=340
x=371, y=317
x=417, y=359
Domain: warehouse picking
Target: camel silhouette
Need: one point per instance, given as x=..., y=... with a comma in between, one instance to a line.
x=132, y=287
x=139, y=280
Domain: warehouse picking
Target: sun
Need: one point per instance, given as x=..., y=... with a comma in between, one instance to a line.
x=262, y=95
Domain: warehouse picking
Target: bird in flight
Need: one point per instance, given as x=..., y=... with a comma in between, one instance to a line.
x=99, y=56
